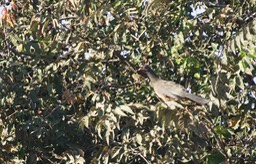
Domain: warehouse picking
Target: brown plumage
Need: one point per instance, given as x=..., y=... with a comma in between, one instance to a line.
x=168, y=90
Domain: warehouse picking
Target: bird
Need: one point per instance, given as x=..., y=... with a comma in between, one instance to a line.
x=169, y=90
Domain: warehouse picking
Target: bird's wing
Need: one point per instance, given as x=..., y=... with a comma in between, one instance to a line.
x=169, y=89
x=175, y=91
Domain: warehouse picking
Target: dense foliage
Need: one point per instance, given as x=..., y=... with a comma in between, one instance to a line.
x=70, y=92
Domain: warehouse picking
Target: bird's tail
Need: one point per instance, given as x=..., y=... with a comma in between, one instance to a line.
x=196, y=99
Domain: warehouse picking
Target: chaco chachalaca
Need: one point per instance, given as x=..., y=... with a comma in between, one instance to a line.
x=168, y=90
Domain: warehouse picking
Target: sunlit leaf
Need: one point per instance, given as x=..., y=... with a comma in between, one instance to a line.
x=70, y=93
x=119, y=111
x=126, y=108
x=115, y=151
x=139, y=139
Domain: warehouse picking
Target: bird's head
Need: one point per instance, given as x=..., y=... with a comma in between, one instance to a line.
x=145, y=70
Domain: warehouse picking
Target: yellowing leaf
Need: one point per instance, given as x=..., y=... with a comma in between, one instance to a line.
x=20, y=48
x=79, y=46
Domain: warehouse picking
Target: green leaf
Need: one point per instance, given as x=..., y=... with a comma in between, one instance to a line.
x=197, y=75
x=215, y=158
x=222, y=131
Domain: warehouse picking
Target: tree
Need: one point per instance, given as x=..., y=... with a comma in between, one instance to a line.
x=71, y=93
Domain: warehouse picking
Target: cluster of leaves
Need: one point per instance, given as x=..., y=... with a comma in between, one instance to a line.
x=70, y=92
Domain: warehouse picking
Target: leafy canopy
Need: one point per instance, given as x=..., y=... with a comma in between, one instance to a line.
x=70, y=91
